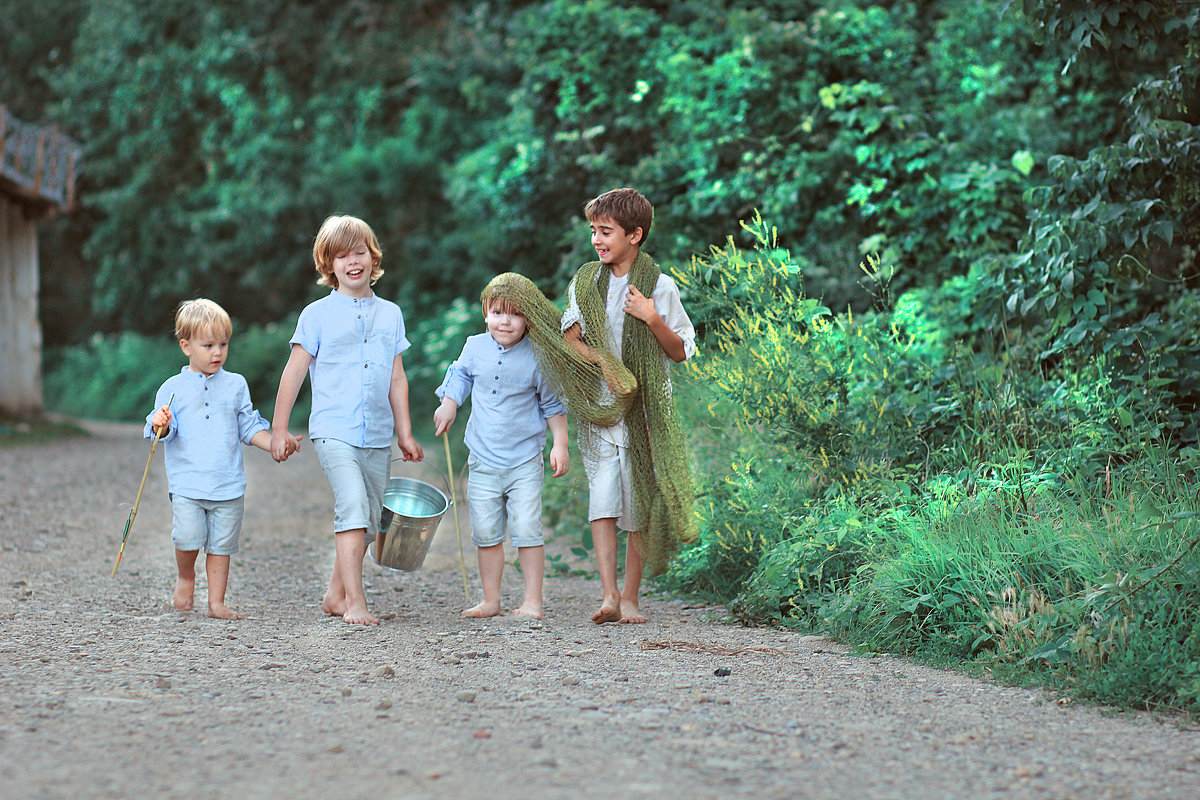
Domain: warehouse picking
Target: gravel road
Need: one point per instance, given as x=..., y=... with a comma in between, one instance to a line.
x=107, y=692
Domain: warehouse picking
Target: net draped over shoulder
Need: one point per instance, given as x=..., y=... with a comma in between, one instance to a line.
x=600, y=390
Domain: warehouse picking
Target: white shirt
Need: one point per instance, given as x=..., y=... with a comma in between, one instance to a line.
x=666, y=303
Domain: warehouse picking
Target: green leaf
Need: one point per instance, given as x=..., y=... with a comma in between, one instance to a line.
x=1023, y=162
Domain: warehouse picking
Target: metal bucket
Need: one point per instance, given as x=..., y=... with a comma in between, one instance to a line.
x=411, y=512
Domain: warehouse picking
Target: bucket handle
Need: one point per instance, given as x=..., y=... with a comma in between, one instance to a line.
x=446, y=482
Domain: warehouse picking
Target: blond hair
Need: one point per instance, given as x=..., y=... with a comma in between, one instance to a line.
x=338, y=234
x=194, y=316
x=627, y=207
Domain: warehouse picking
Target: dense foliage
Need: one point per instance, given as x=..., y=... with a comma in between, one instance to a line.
x=942, y=256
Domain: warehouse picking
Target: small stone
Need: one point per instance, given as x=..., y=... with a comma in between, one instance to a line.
x=465, y=697
x=721, y=672
x=271, y=665
x=162, y=683
x=570, y=680
x=384, y=705
x=346, y=693
x=383, y=672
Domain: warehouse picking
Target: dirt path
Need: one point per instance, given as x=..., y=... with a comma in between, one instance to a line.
x=106, y=691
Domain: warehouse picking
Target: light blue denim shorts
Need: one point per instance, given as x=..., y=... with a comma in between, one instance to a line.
x=610, y=485
x=505, y=501
x=214, y=526
x=358, y=477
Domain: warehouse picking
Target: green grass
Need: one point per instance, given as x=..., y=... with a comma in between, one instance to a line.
x=35, y=430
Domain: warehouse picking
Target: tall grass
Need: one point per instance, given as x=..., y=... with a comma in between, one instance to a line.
x=875, y=479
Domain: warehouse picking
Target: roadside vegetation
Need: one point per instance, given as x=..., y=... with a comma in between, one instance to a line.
x=941, y=257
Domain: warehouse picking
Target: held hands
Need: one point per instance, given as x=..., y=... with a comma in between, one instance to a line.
x=161, y=421
x=283, y=444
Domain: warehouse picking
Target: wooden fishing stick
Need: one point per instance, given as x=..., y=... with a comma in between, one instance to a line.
x=137, y=502
x=462, y=564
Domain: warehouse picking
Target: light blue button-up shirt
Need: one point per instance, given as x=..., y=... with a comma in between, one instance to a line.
x=353, y=343
x=510, y=400
x=211, y=417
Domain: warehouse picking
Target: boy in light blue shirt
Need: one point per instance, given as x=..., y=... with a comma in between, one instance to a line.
x=511, y=407
x=203, y=431
x=348, y=344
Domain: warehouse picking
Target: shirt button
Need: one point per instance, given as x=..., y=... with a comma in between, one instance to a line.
x=366, y=366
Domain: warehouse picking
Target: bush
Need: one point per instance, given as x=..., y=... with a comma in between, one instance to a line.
x=115, y=376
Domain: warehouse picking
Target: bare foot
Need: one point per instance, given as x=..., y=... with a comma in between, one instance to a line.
x=334, y=606
x=359, y=615
x=529, y=609
x=484, y=609
x=185, y=594
x=630, y=613
x=607, y=613
x=222, y=611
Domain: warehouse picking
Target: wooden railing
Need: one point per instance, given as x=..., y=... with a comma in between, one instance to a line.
x=37, y=163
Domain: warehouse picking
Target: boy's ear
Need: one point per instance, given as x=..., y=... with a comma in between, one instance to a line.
x=186, y=347
x=639, y=233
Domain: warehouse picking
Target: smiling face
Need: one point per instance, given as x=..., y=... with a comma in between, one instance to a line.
x=352, y=269
x=504, y=323
x=206, y=350
x=614, y=245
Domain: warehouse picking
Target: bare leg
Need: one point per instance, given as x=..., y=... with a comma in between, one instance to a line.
x=634, y=566
x=491, y=569
x=533, y=567
x=346, y=580
x=217, y=568
x=334, y=602
x=604, y=539
x=185, y=580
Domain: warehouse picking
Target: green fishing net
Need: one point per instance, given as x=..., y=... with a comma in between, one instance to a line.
x=600, y=389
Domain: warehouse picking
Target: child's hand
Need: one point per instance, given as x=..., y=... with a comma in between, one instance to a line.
x=443, y=418
x=560, y=460
x=573, y=337
x=161, y=421
x=639, y=306
x=283, y=444
x=291, y=446
x=409, y=447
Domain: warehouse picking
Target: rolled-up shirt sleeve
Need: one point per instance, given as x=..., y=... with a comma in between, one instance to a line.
x=670, y=308
x=458, y=382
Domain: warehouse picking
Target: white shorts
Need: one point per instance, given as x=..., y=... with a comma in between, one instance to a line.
x=610, y=485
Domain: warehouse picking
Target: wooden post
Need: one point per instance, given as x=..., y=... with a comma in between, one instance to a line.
x=38, y=163
x=3, y=131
